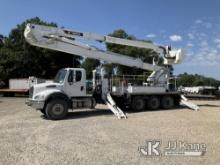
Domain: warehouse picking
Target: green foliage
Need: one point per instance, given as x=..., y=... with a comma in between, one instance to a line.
x=145, y=54
x=89, y=65
x=1, y=40
x=196, y=80
x=19, y=59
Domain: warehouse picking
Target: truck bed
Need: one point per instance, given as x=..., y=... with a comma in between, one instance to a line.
x=11, y=92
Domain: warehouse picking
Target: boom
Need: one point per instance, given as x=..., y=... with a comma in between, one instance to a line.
x=66, y=41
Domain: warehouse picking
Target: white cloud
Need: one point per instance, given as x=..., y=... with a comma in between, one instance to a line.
x=217, y=40
x=151, y=35
x=204, y=43
x=191, y=36
x=198, y=21
x=205, y=56
x=175, y=38
x=203, y=23
x=189, y=44
x=203, y=34
x=208, y=25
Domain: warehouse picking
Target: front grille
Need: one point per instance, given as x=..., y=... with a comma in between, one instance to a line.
x=31, y=90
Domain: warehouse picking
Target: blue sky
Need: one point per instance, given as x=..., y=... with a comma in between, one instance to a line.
x=192, y=25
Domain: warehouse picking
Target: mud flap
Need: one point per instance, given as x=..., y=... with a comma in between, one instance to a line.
x=114, y=108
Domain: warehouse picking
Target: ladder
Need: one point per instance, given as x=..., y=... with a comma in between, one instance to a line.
x=114, y=108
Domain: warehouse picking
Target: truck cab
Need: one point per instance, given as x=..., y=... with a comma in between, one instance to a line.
x=67, y=91
x=73, y=81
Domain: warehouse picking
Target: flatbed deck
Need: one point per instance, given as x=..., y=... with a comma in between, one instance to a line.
x=12, y=92
x=202, y=97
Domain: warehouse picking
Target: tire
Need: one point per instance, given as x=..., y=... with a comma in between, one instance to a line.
x=153, y=103
x=167, y=102
x=177, y=102
x=56, y=109
x=43, y=111
x=138, y=103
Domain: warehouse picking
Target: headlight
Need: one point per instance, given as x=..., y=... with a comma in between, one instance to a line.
x=39, y=97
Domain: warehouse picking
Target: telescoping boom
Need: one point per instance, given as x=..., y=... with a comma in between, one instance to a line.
x=66, y=41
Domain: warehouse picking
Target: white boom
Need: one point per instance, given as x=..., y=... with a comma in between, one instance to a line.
x=65, y=40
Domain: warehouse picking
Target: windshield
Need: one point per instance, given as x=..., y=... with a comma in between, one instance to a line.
x=60, y=76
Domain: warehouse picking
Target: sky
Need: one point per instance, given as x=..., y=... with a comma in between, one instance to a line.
x=191, y=25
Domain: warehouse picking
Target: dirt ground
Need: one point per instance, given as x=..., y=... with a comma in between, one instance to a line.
x=98, y=137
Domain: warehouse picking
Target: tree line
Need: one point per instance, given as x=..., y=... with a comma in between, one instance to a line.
x=190, y=80
x=18, y=59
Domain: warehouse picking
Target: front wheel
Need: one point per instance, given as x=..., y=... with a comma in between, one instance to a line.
x=43, y=111
x=56, y=109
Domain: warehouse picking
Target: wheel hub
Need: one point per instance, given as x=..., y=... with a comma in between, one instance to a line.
x=57, y=109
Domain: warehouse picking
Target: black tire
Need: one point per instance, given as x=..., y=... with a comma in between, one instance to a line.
x=138, y=103
x=8, y=94
x=43, y=111
x=56, y=109
x=167, y=102
x=153, y=103
x=177, y=102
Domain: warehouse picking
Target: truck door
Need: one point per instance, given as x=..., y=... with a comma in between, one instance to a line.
x=75, y=84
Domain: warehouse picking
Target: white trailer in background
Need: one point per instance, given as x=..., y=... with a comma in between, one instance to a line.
x=201, y=92
x=20, y=85
x=68, y=90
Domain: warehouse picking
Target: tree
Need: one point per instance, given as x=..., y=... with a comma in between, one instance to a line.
x=196, y=80
x=89, y=65
x=145, y=54
x=1, y=40
x=19, y=59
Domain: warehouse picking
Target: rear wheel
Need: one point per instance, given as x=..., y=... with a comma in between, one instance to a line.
x=177, y=101
x=153, y=103
x=167, y=102
x=56, y=109
x=138, y=103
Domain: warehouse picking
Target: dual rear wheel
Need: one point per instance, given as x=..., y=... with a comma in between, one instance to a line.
x=153, y=103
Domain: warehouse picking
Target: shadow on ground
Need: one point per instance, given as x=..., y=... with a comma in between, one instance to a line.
x=207, y=105
x=85, y=114
x=90, y=113
x=106, y=112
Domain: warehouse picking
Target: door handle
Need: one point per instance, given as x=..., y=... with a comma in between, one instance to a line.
x=81, y=88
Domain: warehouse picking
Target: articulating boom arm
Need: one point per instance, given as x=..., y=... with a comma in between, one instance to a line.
x=65, y=40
